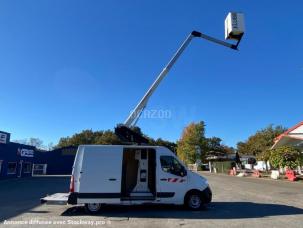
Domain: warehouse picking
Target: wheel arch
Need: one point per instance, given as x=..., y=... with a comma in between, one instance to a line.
x=189, y=192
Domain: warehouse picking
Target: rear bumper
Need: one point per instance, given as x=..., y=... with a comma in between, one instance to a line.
x=206, y=195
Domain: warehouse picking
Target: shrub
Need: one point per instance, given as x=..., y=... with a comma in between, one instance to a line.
x=285, y=156
x=264, y=156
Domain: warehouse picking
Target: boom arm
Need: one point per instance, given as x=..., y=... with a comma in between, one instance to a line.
x=135, y=114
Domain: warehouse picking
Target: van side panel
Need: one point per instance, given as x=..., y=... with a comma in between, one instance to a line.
x=101, y=172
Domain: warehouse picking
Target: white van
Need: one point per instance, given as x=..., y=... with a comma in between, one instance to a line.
x=129, y=175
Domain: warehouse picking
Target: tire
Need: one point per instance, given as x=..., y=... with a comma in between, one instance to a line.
x=93, y=208
x=193, y=201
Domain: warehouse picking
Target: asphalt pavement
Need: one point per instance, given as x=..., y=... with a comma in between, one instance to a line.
x=237, y=202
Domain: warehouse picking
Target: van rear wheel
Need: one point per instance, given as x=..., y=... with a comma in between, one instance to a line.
x=194, y=201
x=93, y=208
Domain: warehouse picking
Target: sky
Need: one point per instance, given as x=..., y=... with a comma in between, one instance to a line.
x=66, y=66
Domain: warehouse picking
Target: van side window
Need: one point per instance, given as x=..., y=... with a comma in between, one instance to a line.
x=171, y=165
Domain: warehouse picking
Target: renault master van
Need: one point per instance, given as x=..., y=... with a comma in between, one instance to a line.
x=130, y=175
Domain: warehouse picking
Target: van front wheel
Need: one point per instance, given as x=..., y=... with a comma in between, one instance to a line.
x=193, y=201
x=93, y=208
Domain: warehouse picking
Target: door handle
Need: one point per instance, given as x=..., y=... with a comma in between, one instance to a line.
x=163, y=179
x=112, y=179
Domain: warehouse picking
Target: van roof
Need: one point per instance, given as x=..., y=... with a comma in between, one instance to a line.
x=119, y=147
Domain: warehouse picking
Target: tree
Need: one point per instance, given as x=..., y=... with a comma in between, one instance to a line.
x=264, y=155
x=50, y=146
x=170, y=145
x=89, y=137
x=261, y=141
x=193, y=138
x=193, y=135
x=286, y=156
x=36, y=142
x=215, y=144
x=228, y=149
x=107, y=137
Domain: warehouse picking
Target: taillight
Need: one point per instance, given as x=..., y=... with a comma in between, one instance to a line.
x=72, y=184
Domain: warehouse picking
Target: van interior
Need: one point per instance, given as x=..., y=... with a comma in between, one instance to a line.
x=138, y=174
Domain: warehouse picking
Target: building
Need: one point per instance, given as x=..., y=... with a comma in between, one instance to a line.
x=59, y=161
x=16, y=160
x=19, y=160
x=292, y=137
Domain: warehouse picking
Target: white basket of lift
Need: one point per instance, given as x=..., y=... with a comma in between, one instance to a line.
x=234, y=26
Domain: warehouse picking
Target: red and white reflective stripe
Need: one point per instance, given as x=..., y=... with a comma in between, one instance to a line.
x=176, y=180
x=172, y=179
